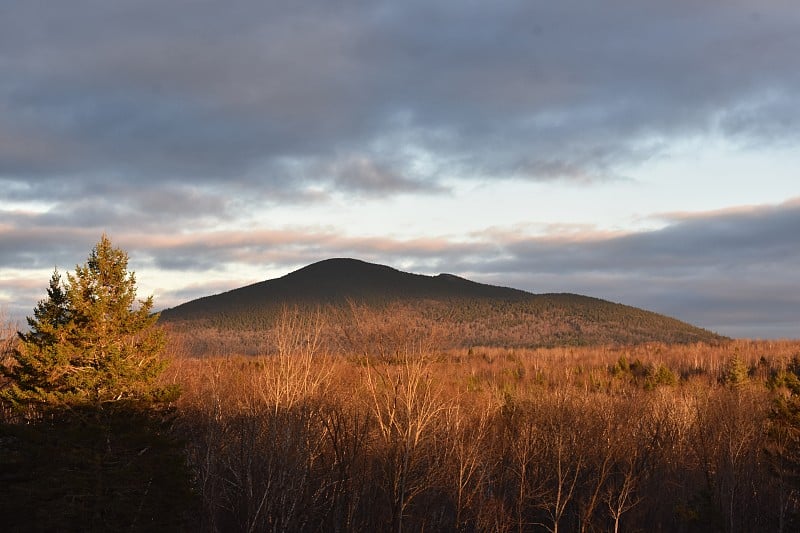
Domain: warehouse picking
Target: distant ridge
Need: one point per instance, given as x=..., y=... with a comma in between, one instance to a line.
x=334, y=281
x=476, y=313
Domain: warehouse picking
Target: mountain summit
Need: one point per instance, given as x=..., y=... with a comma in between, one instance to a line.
x=336, y=281
x=474, y=313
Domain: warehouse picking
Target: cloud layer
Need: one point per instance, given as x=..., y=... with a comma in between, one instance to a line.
x=277, y=98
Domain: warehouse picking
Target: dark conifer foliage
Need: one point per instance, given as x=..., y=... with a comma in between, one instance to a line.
x=49, y=316
x=784, y=444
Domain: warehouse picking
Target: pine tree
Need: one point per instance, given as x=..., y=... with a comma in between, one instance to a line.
x=120, y=469
x=36, y=360
x=93, y=449
x=736, y=372
x=783, y=448
x=90, y=341
x=50, y=314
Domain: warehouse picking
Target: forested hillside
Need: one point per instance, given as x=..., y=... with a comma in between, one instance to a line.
x=468, y=313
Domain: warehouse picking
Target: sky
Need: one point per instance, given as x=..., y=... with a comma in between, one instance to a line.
x=645, y=152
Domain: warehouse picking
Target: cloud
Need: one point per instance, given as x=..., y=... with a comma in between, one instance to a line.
x=364, y=175
x=197, y=93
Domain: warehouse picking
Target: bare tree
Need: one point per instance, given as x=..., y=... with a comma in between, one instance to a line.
x=407, y=405
x=620, y=495
x=468, y=436
x=8, y=338
x=293, y=374
x=565, y=444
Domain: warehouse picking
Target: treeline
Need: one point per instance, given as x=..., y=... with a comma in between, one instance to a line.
x=400, y=435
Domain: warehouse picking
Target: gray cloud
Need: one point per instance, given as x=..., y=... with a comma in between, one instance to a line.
x=364, y=175
x=26, y=246
x=204, y=93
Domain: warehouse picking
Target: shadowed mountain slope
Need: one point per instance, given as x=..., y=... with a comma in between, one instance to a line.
x=335, y=281
x=473, y=313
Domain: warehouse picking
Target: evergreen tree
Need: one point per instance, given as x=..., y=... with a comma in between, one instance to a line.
x=90, y=341
x=50, y=315
x=96, y=451
x=783, y=449
x=36, y=359
x=736, y=372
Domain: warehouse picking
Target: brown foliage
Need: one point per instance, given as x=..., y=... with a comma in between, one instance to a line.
x=400, y=434
x=8, y=340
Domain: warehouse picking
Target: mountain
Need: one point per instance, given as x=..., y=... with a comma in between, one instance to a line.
x=334, y=281
x=472, y=313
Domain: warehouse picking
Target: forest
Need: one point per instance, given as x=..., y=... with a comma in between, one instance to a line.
x=400, y=435
x=372, y=421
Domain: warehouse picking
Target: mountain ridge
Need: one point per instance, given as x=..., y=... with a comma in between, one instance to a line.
x=346, y=278
x=475, y=313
